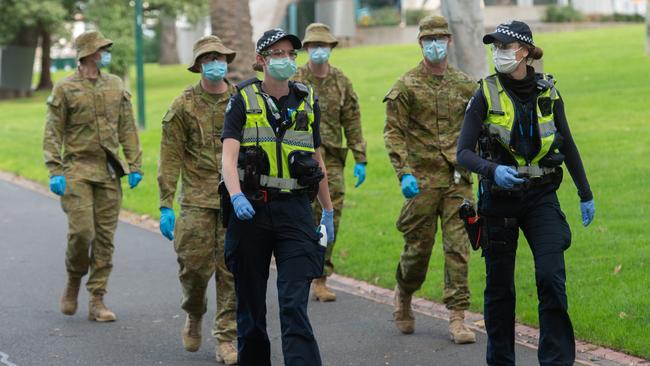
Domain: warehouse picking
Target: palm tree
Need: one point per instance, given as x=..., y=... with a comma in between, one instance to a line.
x=231, y=21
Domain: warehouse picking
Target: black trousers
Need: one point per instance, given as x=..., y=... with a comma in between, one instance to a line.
x=544, y=225
x=283, y=228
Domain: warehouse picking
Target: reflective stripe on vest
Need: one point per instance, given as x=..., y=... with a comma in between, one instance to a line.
x=534, y=170
x=501, y=115
x=258, y=131
x=274, y=182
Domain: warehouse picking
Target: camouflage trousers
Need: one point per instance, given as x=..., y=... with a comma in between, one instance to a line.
x=199, y=245
x=336, y=182
x=418, y=222
x=93, y=209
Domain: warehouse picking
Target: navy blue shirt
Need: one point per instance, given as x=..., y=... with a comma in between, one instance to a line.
x=236, y=113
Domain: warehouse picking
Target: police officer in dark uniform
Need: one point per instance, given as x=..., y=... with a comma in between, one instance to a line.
x=517, y=119
x=272, y=170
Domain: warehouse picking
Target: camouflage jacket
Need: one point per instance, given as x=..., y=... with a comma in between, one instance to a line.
x=339, y=110
x=191, y=146
x=89, y=121
x=424, y=115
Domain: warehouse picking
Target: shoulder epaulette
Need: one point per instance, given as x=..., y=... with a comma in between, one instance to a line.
x=300, y=88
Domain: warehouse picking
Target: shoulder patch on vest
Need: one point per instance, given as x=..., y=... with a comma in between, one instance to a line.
x=469, y=104
x=229, y=106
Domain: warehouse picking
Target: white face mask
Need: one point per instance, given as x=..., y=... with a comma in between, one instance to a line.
x=505, y=60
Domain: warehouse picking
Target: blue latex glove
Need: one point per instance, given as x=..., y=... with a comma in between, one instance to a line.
x=134, y=179
x=243, y=208
x=360, y=173
x=57, y=185
x=167, y=222
x=327, y=219
x=506, y=177
x=409, y=186
x=588, y=210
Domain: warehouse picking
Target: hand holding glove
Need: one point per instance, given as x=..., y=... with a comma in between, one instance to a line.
x=588, y=210
x=327, y=219
x=409, y=186
x=57, y=185
x=243, y=208
x=360, y=173
x=134, y=179
x=167, y=222
x=506, y=177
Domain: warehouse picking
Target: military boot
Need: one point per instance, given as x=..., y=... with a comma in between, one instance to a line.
x=97, y=311
x=226, y=353
x=458, y=332
x=192, y=333
x=68, y=303
x=403, y=315
x=321, y=291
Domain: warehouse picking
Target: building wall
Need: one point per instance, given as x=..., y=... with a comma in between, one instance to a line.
x=418, y=4
x=610, y=6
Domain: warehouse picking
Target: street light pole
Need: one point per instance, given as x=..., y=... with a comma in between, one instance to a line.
x=139, y=62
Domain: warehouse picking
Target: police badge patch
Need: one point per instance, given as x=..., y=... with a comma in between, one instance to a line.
x=229, y=105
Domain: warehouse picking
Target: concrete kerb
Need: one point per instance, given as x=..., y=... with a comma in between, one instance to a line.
x=586, y=354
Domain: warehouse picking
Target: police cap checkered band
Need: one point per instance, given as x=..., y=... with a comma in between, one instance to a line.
x=513, y=31
x=271, y=37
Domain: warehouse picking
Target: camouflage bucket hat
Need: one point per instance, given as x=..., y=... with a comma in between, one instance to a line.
x=433, y=25
x=318, y=32
x=90, y=42
x=209, y=44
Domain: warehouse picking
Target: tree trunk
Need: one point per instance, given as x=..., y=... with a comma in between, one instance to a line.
x=231, y=21
x=168, y=50
x=26, y=40
x=647, y=26
x=465, y=19
x=45, y=80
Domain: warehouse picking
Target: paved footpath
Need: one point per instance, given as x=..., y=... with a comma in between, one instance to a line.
x=145, y=294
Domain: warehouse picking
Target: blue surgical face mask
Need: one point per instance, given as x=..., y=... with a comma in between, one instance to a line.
x=320, y=55
x=282, y=68
x=435, y=50
x=215, y=70
x=505, y=60
x=104, y=60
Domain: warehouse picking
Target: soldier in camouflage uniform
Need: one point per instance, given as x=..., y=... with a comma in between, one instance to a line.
x=339, y=115
x=89, y=117
x=424, y=113
x=191, y=148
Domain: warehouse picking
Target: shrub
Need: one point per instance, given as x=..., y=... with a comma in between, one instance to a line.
x=562, y=14
x=616, y=17
x=413, y=16
x=387, y=15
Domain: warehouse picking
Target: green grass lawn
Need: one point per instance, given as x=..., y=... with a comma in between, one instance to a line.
x=607, y=92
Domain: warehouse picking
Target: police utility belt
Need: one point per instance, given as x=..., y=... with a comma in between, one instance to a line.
x=533, y=176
